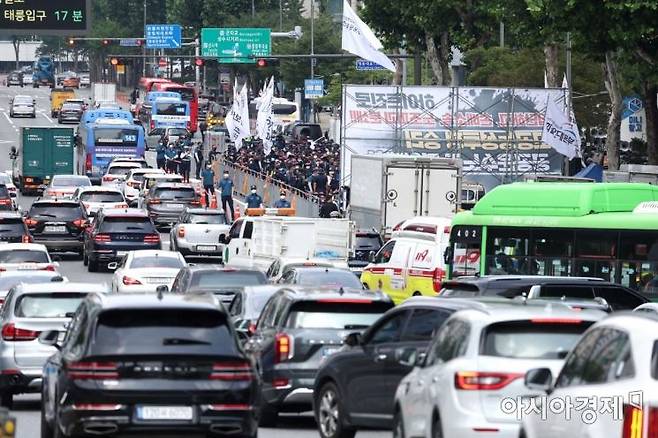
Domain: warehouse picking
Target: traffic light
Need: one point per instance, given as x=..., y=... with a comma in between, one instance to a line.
x=106, y=42
x=267, y=62
x=198, y=62
x=71, y=42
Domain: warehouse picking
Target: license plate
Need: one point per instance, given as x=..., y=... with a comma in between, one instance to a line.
x=328, y=351
x=164, y=413
x=175, y=205
x=206, y=248
x=121, y=253
x=55, y=229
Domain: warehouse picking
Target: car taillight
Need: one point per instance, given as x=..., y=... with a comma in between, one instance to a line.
x=135, y=184
x=181, y=231
x=152, y=238
x=5, y=201
x=108, y=178
x=102, y=238
x=27, y=238
x=31, y=222
x=232, y=371
x=196, y=203
x=633, y=422
x=49, y=268
x=11, y=333
x=88, y=164
x=437, y=277
x=153, y=201
x=128, y=281
x=92, y=370
x=476, y=381
x=282, y=348
x=122, y=205
x=152, y=124
x=80, y=223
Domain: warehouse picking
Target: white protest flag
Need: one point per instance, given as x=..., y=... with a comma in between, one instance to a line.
x=237, y=120
x=359, y=40
x=559, y=132
x=567, y=98
x=265, y=118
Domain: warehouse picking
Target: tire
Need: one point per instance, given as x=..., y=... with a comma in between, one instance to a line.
x=329, y=414
x=46, y=429
x=417, y=294
x=92, y=265
x=398, y=425
x=7, y=400
x=437, y=427
x=268, y=416
x=81, y=255
x=85, y=259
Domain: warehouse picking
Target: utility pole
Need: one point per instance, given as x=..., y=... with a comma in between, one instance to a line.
x=253, y=8
x=501, y=31
x=312, y=38
x=144, y=45
x=569, y=61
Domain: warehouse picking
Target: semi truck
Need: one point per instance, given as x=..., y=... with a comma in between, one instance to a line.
x=43, y=72
x=43, y=152
x=387, y=190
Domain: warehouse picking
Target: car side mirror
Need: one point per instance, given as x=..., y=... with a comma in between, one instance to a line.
x=112, y=266
x=50, y=338
x=448, y=255
x=222, y=239
x=162, y=289
x=539, y=379
x=227, y=239
x=353, y=339
x=371, y=256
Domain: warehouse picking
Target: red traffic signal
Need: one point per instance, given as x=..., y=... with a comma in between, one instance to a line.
x=71, y=42
x=106, y=42
x=198, y=62
x=266, y=62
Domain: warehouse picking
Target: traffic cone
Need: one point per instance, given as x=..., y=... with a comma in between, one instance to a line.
x=203, y=198
x=237, y=212
x=213, y=201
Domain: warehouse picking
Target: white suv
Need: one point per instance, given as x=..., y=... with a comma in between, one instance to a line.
x=608, y=387
x=477, y=361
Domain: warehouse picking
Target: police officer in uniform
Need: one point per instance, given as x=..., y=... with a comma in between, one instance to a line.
x=282, y=202
x=185, y=163
x=254, y=200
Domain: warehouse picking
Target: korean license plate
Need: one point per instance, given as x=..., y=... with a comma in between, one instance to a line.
x=164, y=413
x=206, y=248
x=328, y=351
x=55, y=229
x=175, y=205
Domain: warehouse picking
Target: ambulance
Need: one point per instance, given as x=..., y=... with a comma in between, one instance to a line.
x=412, y=262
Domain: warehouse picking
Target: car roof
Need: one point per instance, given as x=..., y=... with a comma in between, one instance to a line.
x=262, y=289
x=164, y=175
x=155, y=253
x=173, y=185
x=205, y=301
x=10, y=215
x=207, y=211
x=327, y=269
x=131, y=165
x=30, y=246
x=30, y=273
x=99, y=189
x=146, y=170
x=62, y=287
x=305, y=293
x=216, y=267
x=56, y=200
x=127, y=212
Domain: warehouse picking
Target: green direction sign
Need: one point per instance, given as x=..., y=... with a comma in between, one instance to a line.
x=233, y=45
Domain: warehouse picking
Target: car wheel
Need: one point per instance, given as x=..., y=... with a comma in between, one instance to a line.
x=81, y=255
x=85, y=259
x=398, y=425
x=46, y=428
x=437, y=428
x=329, y=414
x=92, y=266
x=6, y=400
x=268, y=416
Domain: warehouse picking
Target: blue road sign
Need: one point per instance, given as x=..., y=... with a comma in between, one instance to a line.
x=130, y=42
x=163, y=36
x=313, y=88
x=365, y=65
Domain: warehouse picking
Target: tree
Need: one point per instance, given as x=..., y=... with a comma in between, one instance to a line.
x=16, y=42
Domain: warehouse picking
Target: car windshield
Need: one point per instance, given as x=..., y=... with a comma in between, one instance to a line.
x=127, y=224
x=5, y=179
x=156, y=262
x=8, y=282
x=532, y=340
x=369, y=242
x=48, y=305
x=177, y=131
x=172, y=194
x=70, y=181
x=120, y=170
x=23, y=256
x=163, y=331
x=23, y=100
x=217, y=279
x=66, y=211
x=217, y=219
x=257, y=303
x=12, y=226
x=336, y=315
x=307, y=277
x=72, y=107
x=101, y=197
x=4, y=193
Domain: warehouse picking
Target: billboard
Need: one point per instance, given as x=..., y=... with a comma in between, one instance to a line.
x=496, y=132
x=45, y=17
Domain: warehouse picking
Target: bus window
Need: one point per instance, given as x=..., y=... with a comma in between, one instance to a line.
x=510, y=252
x=638, y=253
x=553, y=250
x=466, y=250
x=596, y=252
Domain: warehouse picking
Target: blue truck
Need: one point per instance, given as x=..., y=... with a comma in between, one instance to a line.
x=43, y=72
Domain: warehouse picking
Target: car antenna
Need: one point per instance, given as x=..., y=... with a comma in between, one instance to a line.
x=341, y=290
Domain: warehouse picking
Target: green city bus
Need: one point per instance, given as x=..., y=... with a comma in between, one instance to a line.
x=562, y=229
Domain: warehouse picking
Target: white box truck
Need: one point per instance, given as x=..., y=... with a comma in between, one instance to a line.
x=386, y=190
x=104, y=92
x=256, y=241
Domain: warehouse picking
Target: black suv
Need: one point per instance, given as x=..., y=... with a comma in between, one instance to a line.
x=13, y=229
x=166, y=201
x=149, y=363
x=58, y=223
x=115, y=232
x=571, y=289
x=361, y=379
x=297, y=330
x=215, y=279
x=367, y=243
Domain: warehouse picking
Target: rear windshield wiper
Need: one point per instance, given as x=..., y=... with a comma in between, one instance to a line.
x=183, y=341
x=129, y=227
x=46, y=215
x=356, y=326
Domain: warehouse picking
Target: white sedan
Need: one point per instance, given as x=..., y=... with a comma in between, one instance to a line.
x=145, y=270
x=25, y=257
x=94, y=198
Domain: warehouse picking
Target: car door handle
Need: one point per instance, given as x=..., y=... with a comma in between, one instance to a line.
x=381, y=357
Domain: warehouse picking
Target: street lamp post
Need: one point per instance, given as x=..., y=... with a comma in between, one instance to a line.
x=144, y=45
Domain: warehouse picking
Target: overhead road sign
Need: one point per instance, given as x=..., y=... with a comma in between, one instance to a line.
x=236, y=45
x=163, y=36
x=313, y=88
x=45, y=17
x=365, y=65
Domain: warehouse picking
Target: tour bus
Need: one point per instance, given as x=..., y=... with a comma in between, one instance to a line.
x=188, y=94
x=169, y=112
x=584, y=229
x=144, y=113
x=99, y=142
x=285, y=111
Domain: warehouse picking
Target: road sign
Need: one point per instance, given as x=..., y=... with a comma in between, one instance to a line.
x=163, y=36
x=130, y=42
x=236, y=45
x=313, y=88
x=39, y=17
x=162, y=62
x=365, y=65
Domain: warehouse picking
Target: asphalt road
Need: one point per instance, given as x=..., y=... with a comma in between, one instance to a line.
x=27, y=407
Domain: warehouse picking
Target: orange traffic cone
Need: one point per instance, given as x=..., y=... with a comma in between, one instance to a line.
x=204, y=195
x=213, y=201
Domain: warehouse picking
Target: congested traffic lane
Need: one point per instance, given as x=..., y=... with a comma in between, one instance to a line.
x=27, y=407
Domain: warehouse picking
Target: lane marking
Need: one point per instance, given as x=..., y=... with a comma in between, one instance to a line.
x=49, y=119
x=11, y=122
